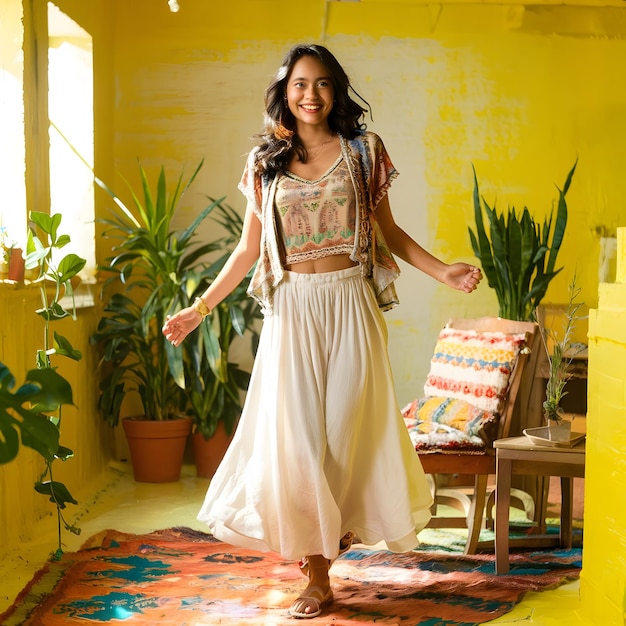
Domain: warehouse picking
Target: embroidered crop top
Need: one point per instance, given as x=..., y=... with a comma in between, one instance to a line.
x=318, y=217
x=371, y=173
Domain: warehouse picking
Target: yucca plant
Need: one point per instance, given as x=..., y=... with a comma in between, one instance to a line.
x=214, y=380
x=518, y=255
x=153, y=271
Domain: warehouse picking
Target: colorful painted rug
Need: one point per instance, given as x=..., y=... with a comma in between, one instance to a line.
x=181, y=577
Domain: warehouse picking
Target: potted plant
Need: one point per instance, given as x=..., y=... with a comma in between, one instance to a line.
x=154, y=271
x=33, y=413
x=518, y=256
x=11, y=258
x=215, y=382
x=560, y=354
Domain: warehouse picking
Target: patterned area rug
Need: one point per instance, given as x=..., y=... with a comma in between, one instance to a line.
x=181, y=577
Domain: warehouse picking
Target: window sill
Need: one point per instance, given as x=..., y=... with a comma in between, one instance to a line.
x=83, y=295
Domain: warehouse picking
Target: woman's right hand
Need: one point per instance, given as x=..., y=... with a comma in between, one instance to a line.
x=178, y=326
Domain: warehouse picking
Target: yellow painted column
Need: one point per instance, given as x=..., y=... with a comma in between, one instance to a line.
x=603, y=577
x=621, y=253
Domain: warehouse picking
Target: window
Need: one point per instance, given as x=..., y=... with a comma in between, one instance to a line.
x=70, y=109
x=47, y=142
x=12, y=158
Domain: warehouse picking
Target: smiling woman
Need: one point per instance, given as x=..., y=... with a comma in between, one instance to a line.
x=316, y=440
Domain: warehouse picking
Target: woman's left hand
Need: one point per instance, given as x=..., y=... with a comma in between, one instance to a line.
x=462, y=276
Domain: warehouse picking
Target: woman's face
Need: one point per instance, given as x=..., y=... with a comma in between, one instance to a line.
x=310, y=92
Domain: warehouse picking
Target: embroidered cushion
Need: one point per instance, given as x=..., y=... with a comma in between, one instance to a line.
x=473, y=366
x=449, y=424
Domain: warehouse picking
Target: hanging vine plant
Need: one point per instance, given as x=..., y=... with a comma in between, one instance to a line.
x=31, y=415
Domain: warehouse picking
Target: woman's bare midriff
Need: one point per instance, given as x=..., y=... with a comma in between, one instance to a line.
x=325, y=264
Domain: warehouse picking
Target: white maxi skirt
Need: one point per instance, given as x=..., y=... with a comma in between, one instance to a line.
x=321, y=447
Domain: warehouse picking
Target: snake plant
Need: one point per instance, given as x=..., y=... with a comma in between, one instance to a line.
x=214, y=380
x=518, y=255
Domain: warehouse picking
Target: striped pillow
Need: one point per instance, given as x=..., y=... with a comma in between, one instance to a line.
x=449, y=424
x=474, y=366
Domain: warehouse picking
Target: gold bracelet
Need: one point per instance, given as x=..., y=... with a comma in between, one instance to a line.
x=200, y=305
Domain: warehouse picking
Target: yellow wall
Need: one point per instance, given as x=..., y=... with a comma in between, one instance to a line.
x=603, y=578
x=520, y=92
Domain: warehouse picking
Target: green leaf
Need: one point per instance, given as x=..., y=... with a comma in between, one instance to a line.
x=175, y=362
x=69, y=266
x=191, y=229
x=54, y=390
x=53, y=312
x=62, y=241
x=63, y=453
x=24, y=411
x=9, y=439
x=211, y=346
x=58, y=493
x=561, y=221
x=237, y=319
x=484, y=253
x=43, y=220
x=64, y=347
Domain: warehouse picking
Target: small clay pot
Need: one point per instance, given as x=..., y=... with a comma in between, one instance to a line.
x=16, y=265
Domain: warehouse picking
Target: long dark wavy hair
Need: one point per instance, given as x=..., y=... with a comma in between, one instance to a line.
x=278, y=141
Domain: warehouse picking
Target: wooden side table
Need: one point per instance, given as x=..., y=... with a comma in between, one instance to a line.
x=517, y=455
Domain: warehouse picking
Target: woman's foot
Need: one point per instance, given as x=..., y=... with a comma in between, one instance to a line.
x=345, y=543
x=311, y=602
x=318, y=593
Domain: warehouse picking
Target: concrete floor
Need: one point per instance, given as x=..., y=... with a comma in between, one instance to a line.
x=118, y=502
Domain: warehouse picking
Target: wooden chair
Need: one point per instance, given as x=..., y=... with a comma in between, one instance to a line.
x=519, y=412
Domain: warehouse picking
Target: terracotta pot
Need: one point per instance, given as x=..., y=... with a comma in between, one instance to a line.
x=16, y=265
x=208, y=453
x=157, y=447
